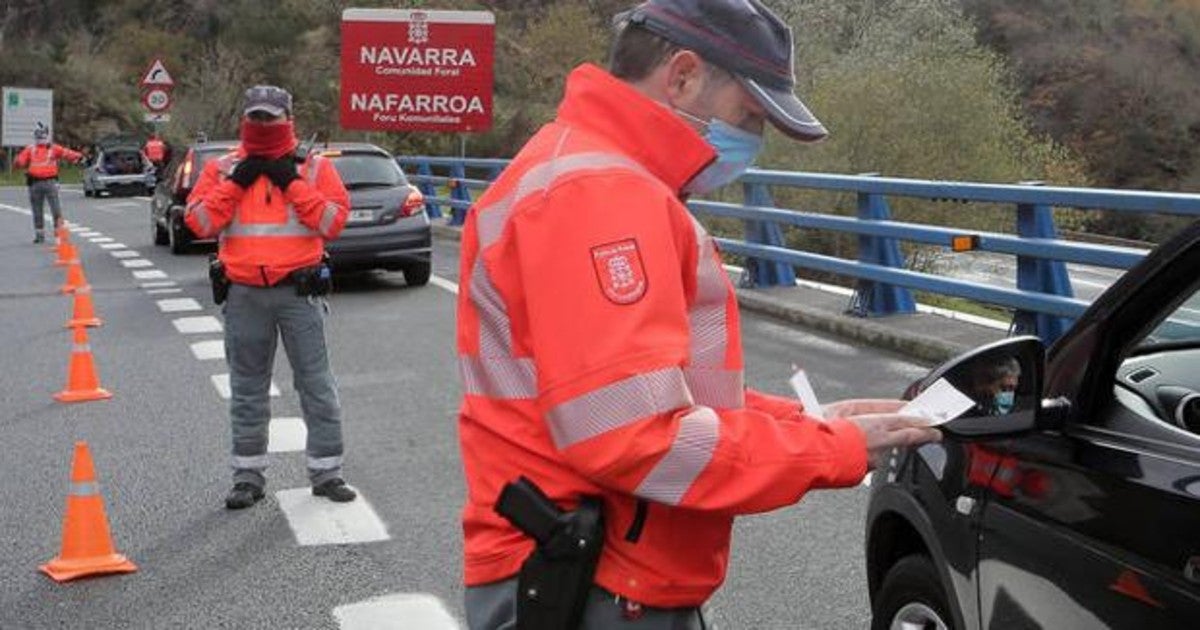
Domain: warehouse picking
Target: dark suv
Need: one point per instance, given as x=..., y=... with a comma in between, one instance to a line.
x=1074, y=502
x=170, y=197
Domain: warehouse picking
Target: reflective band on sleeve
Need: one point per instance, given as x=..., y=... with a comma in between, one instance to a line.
x=201, y=213
x=328, y=217
x=707, y=317
x=616, y=405
x=85, y=488
x=716, y=388
x=689, y=455
x=312, y=169
x=495, y=329
x=325, y=463
x=506, y=378
x=250, y=462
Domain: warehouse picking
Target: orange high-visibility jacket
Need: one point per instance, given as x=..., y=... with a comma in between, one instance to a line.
x=155, y=150
x=600, y=352
x=43, y=159
x=267, y=233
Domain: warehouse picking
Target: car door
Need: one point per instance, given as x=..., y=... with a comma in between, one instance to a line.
x=1098, y=526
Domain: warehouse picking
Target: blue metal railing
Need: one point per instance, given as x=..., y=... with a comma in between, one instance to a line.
x=1043, y=302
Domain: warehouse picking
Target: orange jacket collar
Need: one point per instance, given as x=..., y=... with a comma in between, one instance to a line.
x=642, y=128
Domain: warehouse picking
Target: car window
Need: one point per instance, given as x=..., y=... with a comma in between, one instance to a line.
x=367, y=170
x=1160, y=377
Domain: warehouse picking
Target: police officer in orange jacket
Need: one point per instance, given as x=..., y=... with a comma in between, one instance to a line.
x=41, y=160
x=156, y=151
x=598, y=335
x=273, y=210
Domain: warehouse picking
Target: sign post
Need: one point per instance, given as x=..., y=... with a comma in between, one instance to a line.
x=411, y=70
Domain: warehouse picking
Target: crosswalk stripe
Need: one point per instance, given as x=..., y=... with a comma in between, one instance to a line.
x=136, y=263
x=179, y=305
x=225, y=390
x=397, y=611
x=319, y=521
x=150, y=274
x=286, y=435
x=196, y=325
x=209, y=350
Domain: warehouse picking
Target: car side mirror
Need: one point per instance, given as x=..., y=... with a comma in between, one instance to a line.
x=1004, y=379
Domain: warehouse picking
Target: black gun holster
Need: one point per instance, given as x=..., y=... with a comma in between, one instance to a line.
x=217, y=278
x=555, y=580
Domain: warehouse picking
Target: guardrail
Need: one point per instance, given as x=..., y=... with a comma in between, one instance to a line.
x=1043, y=302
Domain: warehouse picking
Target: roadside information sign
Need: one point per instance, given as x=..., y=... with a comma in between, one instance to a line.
x=22, y=110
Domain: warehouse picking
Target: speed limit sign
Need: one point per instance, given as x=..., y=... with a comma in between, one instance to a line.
x=157, y=100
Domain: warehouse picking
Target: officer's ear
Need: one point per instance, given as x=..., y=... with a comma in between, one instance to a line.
x=685, y=78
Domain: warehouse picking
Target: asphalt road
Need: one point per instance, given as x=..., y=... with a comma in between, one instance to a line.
x=160, y=447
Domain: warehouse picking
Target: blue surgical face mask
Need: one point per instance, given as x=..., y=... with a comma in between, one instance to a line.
x=736, y=151
x=1004, y=401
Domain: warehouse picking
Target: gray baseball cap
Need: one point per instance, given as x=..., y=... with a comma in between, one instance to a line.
x=746, y=39
x=275, y=101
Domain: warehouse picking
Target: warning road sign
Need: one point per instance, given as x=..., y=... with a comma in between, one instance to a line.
x=157, y=75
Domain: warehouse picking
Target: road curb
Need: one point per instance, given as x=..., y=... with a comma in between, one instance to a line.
x=874, y=333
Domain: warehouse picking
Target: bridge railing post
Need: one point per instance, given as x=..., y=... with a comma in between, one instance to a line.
x=428, y=189
x=458, y=192
x=760, y=272
x=1041, y=275
x=876, y=298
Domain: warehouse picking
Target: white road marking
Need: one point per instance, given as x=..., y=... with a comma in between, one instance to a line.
x=4, y=206
x=286, y=434
x=179, y=305
x=208, y=350
x=113, y=246
x=319, y=521
x=136, y=263
x=151, y=274
x=197, y=325
x=159, y=285
x=123, y=204
x=124, y=253
x=445, y=284
x=90, y=234
x=162, y=291
x=225, y=390
x=102, y=239
x=396, y=612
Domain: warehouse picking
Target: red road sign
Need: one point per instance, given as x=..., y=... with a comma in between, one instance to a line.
x=157, y=76
x=156, y=100
x=409, y=70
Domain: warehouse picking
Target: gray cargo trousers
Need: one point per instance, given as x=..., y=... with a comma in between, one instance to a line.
x=494, y=607
x=255, y=318
x=41, y=191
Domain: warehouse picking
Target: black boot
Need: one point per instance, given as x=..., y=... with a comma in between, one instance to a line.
x=39, y=237
x=335, y=490
x=243, y=495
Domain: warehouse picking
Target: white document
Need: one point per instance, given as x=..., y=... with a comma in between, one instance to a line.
x=805, y=393
x=939, y=403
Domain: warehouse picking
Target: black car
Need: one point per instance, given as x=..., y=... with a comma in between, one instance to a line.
x=1079, y=507
x=388, y=227
x=170, y=197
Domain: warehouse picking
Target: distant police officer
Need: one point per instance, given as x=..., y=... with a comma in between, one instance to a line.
x=41, y=176
x=273, y=210
x=156, y=151
x=600, y=347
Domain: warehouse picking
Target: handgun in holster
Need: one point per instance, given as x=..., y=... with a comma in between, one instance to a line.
x=217, y=278
x=554, y=582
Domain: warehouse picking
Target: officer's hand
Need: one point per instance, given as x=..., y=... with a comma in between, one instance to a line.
x=884, y=428
x=247, y=171
x=281, y=172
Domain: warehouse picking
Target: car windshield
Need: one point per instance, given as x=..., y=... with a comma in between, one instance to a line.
x=367, y=170
x=1181, y=328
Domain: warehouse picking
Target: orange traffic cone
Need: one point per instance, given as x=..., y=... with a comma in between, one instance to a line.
x=82, y=382
x=67, y=253
x=87, y=547
x=84, y=313
x=75, y=277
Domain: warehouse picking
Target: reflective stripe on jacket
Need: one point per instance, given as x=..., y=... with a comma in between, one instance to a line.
x=600, y=351
x=42, y=159
x=267, y=233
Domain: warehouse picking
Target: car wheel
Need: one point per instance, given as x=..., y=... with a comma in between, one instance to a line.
x=158, y=233
x=178, y=237
x=87, y=192
x=417, y=275
x=911, y=597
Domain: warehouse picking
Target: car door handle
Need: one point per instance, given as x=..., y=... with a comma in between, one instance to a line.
x=1191, y=569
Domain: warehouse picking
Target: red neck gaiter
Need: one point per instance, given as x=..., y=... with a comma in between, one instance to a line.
x=269, y=140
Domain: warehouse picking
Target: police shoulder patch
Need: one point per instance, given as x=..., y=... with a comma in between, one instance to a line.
x=619, y=270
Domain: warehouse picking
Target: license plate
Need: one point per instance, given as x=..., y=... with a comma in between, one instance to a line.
x=362, y=216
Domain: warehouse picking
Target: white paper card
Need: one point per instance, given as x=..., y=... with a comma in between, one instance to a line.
x=804, y=391
x=939, y=403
